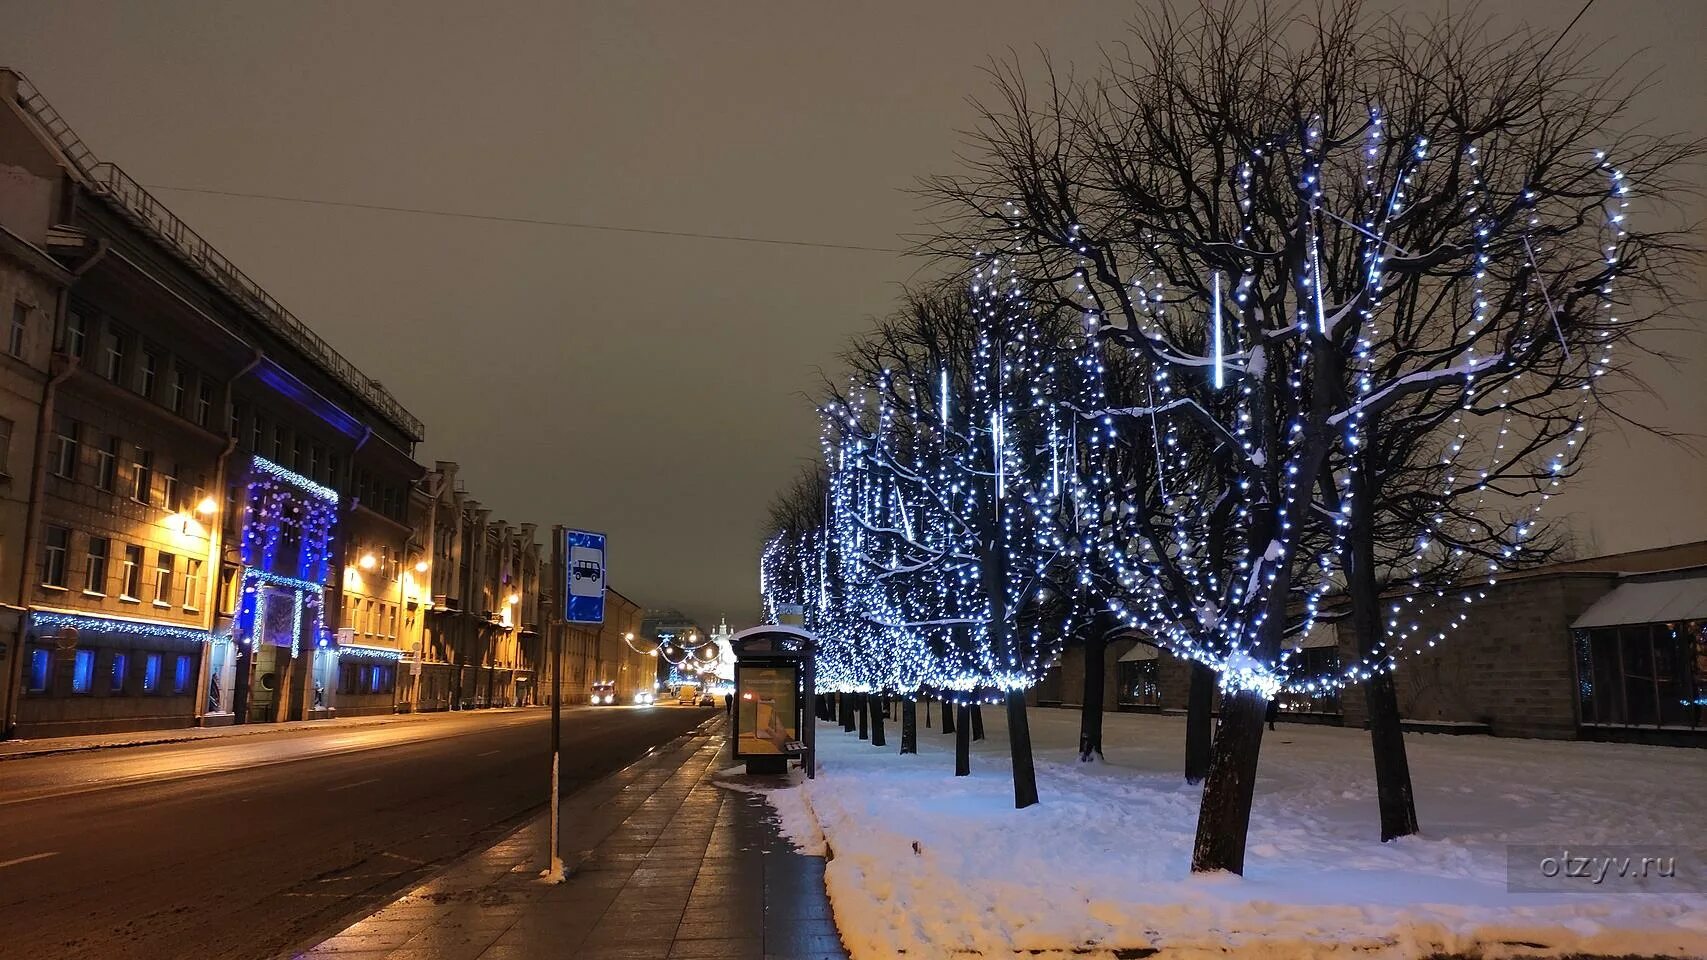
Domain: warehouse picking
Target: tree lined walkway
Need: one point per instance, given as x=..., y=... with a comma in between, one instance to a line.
x=663, y=864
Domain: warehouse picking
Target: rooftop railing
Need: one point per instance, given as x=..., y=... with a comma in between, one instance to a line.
x=143, y=209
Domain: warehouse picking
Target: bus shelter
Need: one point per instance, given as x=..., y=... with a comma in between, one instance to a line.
x=773, y=685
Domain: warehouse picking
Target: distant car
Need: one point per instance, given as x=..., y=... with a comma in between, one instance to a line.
x=585, y=570
x=604, y=692
x=707, y=700
x=645, y=698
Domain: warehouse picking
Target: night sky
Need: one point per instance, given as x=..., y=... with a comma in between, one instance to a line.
x=652, y=386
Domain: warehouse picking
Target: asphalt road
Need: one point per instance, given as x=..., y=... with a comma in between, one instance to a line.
x=250, y=847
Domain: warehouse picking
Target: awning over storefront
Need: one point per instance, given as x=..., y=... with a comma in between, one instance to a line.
x=1649, y=601
x=1143, y=651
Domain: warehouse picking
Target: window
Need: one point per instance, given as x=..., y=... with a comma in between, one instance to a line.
x=281, y=437
x=165, y=565
x=380, y=679
x=333, y=479
x=151, y=673
x=112, y=353
x=142, y=480
x=182, y=674
x=116, y=672
x=257, y=433
x=76, y=333
x=192, y=584
x=107, y=465
x=316, y=454
x=83, y=671
x=1649, y=674
x=95, y=576
x=20, y=327
x=65, y=447
x=178, y=391
x=237, y=414
x=55, y=542
x=5, y=446
x=148, y=374
x=204, y=402
x=169, y=487
x=40, y=671
x=130, y=574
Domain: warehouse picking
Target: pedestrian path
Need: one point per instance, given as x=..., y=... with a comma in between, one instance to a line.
x=13, y=749
x=664, y=864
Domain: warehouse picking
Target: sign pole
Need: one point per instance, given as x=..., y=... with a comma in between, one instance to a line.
x=555, y=872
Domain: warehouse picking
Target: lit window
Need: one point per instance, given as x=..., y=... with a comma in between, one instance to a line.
x=20, y=326
x=182, y=674
x=41, y=669
x=56, y=542
x=151, y=673
x=83, y=671
x=169, y=487
x=116, y=673
x=95, y=575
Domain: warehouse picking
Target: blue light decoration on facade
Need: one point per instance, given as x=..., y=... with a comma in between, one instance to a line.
x=363, y=650
x=47, y=620
x=288, y=525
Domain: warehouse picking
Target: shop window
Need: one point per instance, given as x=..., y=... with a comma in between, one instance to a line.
x=83, y=671
x=183, y=673
x=40, y=672
x=1652, y=674
x=151, y=673
x=117, y=670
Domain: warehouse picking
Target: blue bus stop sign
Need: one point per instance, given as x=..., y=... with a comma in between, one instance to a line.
x=584, y=569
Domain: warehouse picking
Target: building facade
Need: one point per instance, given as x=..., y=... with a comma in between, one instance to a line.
x=203, y=470
x=1609, y=648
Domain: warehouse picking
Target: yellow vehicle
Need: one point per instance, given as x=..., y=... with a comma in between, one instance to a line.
x=687, y=695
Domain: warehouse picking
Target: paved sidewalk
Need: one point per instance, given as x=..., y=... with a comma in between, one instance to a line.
x=664, y=864
x=15, y=749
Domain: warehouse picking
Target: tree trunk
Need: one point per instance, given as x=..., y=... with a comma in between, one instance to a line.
x=1225, y=814
x=962, y=742
x=1198, y=732
x=977, y=722
x=948, y=713
x=862, y=706
x=848, y=711
x=927, y=701
x=1386, y=734
x=1392, y=767
x=1019, y=747
x=1091, y=704
x=910, y=724
x=877, y=718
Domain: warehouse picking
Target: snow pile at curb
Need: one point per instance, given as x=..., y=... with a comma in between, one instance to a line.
x=789, y=803
x=926, y=864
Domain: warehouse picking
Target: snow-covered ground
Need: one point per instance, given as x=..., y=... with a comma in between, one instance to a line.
x=927, y=865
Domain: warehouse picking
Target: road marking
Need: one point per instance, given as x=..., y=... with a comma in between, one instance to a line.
x=486, y=754
x=35, y=856
x=358, y=783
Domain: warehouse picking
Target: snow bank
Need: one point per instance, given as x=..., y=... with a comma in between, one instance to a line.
x=925, y=864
